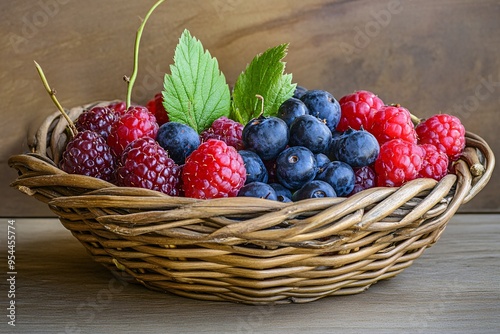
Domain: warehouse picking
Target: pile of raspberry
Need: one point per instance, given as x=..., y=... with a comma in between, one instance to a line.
x=140, y=147
x=122, y=146
x=407, y=151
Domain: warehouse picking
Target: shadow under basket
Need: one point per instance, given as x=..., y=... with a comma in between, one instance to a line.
x=249, y=250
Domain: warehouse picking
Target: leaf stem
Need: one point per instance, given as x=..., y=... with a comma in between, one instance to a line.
x=52, y=94
x=131, y=80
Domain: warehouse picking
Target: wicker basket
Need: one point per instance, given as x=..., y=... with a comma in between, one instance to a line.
x=249, y=250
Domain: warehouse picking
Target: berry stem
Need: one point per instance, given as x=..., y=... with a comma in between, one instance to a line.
x=415, y=119
x=131, y=80
x=52, y=94
x=260, y=97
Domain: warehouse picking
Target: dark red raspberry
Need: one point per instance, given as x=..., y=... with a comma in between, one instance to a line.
x=444, y=131
x=225, y=129
x=399, y=161
x=365, y=179
x=358, y=110
x=213, y=170
x=88, y=154
x=120, y=107
x=97, y=119
x=155, y=105
x=392, y=122
x=136, y=123
x=145, y=164
x=435, y=164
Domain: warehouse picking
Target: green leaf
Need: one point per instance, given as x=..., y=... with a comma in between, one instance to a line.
x=263, y=76
x=196, y=92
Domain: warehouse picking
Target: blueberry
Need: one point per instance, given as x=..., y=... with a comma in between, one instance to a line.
x=314, y=189
x=256, y=170
x=259, y=190
x=295, y=166
x=284, y=194
x=324, y=106
x=340, y=176
x=178, y=139
x=321, y=161
x=357, y=148
x=334, y=145
x=291, y=109
x=299, y=91
x=284, y=199
x=310, y=132
x=266, y=136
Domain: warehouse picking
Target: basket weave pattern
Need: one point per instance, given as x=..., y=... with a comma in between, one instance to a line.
x=249, y=250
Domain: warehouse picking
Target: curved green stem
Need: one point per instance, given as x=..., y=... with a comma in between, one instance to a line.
x=132, y=78
x=52, y=94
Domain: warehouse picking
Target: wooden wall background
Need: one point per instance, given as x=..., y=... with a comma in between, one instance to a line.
x=428, y=55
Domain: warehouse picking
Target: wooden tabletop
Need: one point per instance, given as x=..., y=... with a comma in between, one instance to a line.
x=453, y=288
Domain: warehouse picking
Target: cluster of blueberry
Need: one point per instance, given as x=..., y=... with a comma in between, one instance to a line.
x=305, y=156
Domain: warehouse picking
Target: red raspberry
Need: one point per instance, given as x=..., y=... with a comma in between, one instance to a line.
x=88, y=154
x=155, y=105
x=213, y=170
x=358, y=110
x=120, y=107
x=435, y=164
x=136, y=123
x=392, y=122
x=399, y=161
x=365, y=179
x=97, y=119
x=225, y=129
x=145, y=164
x=444, y=131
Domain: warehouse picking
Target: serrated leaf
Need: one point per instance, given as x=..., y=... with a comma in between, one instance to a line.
x=263, y=76
x=195, y=92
